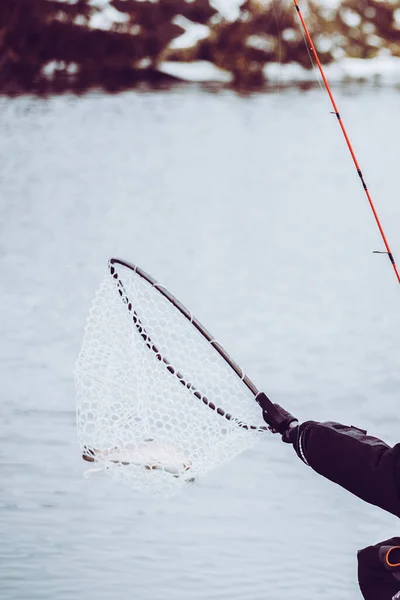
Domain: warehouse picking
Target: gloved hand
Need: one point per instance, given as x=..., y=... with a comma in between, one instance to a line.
x=278, y=419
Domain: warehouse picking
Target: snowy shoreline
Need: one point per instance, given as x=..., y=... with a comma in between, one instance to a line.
x=379, y=70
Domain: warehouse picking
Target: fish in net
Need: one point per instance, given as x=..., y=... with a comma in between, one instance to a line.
x=159, y=402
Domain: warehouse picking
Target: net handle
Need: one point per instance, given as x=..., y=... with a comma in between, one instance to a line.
x=200, y=328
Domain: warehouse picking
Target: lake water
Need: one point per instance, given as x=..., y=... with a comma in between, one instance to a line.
x=249, y=210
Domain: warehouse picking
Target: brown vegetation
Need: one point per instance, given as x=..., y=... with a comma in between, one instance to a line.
x=36, y=34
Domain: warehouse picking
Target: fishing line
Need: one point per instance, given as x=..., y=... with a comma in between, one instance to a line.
x=349, y=145
x=278, y=32
x=314, y=67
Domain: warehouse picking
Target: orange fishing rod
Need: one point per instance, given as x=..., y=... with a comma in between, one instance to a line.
x=335, y=108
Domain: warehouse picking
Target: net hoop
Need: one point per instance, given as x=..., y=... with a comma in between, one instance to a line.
x=200, y=328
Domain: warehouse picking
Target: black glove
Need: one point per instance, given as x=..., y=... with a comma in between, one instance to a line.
x=278, y=419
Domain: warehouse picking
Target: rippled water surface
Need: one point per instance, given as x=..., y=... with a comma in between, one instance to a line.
x=249, y=210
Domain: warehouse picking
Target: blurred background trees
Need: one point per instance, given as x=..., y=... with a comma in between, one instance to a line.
x=55, y=45
x=370, y=28
x=262, y=33
x=49, y=44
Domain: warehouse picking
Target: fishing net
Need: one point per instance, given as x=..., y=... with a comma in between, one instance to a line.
x=159, y=402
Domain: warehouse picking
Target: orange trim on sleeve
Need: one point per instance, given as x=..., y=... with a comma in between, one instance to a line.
x=389, y=564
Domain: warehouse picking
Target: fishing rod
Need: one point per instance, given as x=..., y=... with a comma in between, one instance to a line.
x=340, y=121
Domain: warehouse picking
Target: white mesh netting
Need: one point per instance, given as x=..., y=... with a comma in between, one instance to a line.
x=144, y=377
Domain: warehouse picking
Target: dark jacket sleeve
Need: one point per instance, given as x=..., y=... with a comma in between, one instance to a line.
x=360, y=463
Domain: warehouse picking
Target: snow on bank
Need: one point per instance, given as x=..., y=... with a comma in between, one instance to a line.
x=380, y=70
x=383, y=70
x=197, y=71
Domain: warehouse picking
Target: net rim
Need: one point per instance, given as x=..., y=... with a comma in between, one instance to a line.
x=196, y=323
